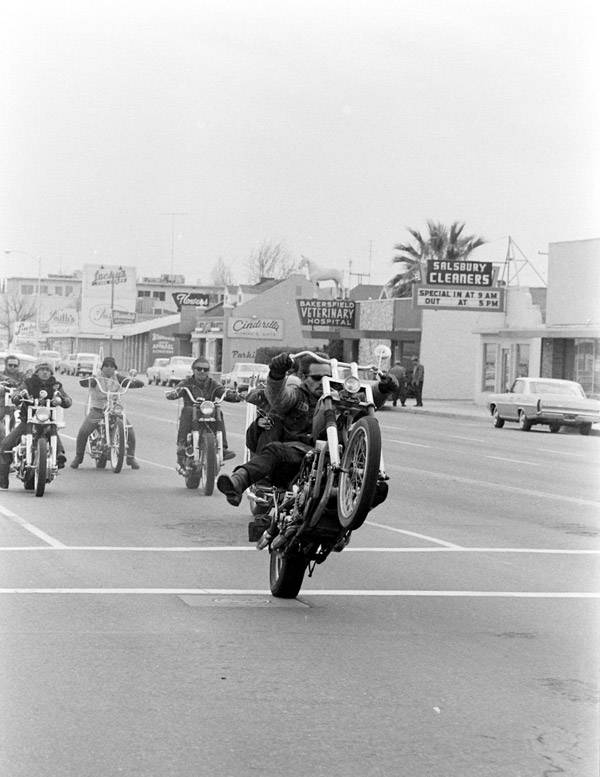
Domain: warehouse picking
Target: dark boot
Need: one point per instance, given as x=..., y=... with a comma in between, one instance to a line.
x=234, y=485
x=227, y=454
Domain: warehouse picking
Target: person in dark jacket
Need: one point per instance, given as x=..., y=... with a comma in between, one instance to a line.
x=399, y=373
x=417, y=379
x=10, y=378
x=42, y=379
x=296, y=406
x=201, y=385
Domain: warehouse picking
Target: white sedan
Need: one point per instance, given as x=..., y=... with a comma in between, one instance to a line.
x=176, y=369
x=548, y=401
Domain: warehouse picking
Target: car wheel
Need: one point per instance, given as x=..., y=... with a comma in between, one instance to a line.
x=524, y=423
x=555, y=428
x=585, y=429
x=498, y=422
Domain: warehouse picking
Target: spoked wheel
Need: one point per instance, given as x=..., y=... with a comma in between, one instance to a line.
x=358, y=478
x=524, y=424
x=498, y=422
x=117, y=446
x=208, y=462
x=286, y=573
x=41, y=466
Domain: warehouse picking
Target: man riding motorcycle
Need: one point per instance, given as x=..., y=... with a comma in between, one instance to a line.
x=201, y=385
x=110, y=380
x=10, y=377
x=42, y=380
x=296, y=405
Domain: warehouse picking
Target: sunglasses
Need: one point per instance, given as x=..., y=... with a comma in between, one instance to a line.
x=12, y=364
x=318, y=378
x=201, y=369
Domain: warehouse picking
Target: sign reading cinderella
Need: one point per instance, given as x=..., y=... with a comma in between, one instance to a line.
x=327, y=312
x=255, y=328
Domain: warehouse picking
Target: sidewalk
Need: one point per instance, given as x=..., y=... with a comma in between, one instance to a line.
x=447, y=408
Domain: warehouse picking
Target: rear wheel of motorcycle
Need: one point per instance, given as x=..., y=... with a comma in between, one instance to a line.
x=41, y=466
x=29, y=481
x=192, y=479
x=360, y=467
x=286, y=573
x=101, y=461
x=117, y=447
x=208, y=462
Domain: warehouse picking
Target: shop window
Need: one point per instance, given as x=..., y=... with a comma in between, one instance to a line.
x=68, y=291
x=488, y=382
x=58, y=290
x=522, y=360
x=27, y=289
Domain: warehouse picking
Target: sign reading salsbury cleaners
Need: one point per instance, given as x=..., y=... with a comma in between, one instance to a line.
x=459, y=272
x=327, y=312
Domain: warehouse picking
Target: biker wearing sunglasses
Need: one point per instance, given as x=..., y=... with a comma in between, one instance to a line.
x=201, y=385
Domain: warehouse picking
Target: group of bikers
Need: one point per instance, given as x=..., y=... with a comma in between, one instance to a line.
x=290, y=402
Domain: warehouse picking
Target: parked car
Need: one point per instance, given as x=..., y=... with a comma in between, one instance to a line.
x=67, y=364
x=52, y=357
x=243, y=374
x=86, y=363
x=152, y=372
x=176, y=369
x=556, y=403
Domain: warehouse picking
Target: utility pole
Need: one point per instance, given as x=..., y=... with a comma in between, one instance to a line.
x=518, y=264
x=172, y=214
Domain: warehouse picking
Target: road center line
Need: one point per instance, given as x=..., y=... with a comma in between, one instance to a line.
x=514, y=461
x=307, y=594
x=404, y=442
x=31, y=528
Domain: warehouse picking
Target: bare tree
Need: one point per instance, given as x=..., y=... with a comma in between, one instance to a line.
x=221, y=273
x=270, y=260
x=14, y=309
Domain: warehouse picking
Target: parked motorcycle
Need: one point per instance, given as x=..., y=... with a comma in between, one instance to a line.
x=341, y=479
x=204, y=446
x=109, y=440
x=34, y=459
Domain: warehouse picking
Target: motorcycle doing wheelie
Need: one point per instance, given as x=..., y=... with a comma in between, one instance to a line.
x=108, y=441
x=35, y=458
x=340, y=480
x=204, y=444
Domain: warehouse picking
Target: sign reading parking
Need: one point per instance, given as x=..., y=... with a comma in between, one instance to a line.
x=481, y=300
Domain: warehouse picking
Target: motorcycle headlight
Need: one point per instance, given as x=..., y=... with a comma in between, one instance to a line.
x=352, y=384
x=42, y=414
x=207, y=407
x=117, y=409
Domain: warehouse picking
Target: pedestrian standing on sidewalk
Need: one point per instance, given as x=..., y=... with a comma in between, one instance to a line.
x=399, y=373
x=418, y=376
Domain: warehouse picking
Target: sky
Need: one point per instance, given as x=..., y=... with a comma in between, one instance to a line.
x=328, y=126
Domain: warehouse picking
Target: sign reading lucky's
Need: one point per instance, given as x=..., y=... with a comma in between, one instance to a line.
x=459, y=272
x=326, y=312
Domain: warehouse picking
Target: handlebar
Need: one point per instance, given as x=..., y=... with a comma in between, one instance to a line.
x=325, y=360
x=123, y=387
x=194, y=400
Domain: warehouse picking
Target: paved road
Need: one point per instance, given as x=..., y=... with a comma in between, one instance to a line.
x=457, y=635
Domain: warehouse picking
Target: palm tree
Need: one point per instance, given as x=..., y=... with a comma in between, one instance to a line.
x=441, y=243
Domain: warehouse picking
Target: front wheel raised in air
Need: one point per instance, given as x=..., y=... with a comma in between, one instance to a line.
x=359, y=470
x=208, y=462
x=41, y=466
x=117, y=446
x=286, y=573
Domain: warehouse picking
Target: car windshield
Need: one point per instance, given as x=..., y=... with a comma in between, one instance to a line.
x=566, y=389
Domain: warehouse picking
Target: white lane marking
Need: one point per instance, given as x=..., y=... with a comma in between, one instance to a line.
x=562, y=453
x=31, y=528
x=494, y=486
x=307, y=593
x=405, y=442
x=514, y=461
x=413, y=534
x=459, y=437
x=252, y=548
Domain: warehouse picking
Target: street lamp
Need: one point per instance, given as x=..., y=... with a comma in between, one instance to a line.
x=111, y=282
